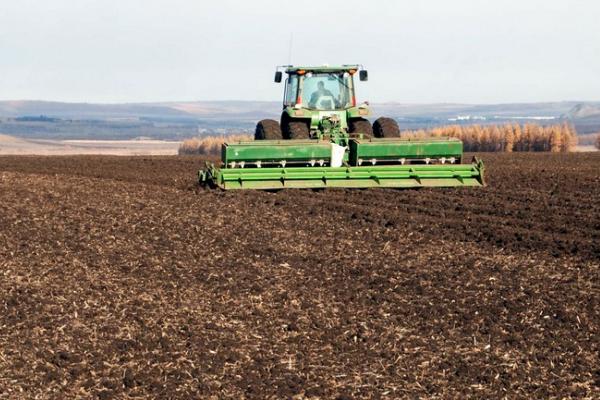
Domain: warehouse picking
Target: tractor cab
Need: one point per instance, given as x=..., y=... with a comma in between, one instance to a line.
x=318, y=102
x=320, y=90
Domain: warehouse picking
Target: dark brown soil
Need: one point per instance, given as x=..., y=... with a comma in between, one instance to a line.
x=119, y=278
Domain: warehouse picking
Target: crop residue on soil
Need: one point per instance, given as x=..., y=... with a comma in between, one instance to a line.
x=120, y=278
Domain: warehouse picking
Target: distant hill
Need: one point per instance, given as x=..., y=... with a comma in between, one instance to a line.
x=176, y=120
x=256, y=109
x=584, y=110
x=84, y=110
x=585, y=117
x=181, y=110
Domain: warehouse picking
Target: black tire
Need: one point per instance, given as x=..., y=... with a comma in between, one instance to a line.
x=386, y=127
x=295, y=130
x=268, y=129
x=360, y=125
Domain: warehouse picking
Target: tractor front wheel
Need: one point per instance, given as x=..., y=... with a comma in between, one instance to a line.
x=268, y=129
x=296, y=130
x=360, y=125
x=386, y=127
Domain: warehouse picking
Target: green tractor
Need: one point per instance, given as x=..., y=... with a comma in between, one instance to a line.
x=318, y=99
x=324, y=139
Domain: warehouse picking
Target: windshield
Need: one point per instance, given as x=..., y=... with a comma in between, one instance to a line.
x=327, y=91
x=291, y=91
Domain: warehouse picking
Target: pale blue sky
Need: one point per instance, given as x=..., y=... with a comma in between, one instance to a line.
x=416, y=51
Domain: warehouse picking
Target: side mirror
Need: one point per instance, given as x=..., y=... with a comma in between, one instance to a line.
x=278, y=76
x=363, y=75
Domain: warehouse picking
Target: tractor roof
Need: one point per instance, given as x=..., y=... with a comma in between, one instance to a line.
x=321, y=68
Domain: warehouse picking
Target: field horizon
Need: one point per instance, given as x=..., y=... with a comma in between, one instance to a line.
x=182, y=120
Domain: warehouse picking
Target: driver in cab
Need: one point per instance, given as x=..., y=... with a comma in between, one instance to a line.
x=320, y=92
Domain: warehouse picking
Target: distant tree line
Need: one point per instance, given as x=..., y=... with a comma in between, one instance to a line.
x=476, y=138
x=506, y=138
x=208, y=145
x=41, y=118
x=598, y=141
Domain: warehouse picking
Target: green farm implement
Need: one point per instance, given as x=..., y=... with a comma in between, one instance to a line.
x=324, y=140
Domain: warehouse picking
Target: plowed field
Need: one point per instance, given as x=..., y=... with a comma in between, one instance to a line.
x=119, y=278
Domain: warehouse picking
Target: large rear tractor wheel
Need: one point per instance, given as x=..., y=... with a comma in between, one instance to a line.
x=268, y=129
x=296, y=130
x=386, y=127
x=360, y=125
